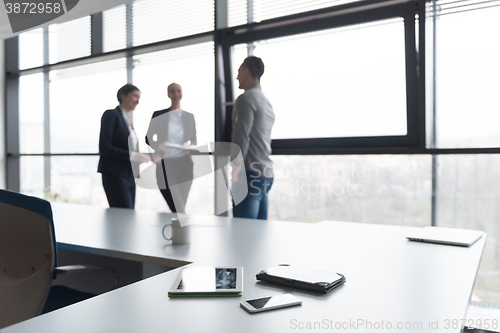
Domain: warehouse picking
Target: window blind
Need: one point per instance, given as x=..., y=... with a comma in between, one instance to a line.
x=267, y=9
x=157, y=20
x=115, y=28
x=175, y=54
x=445, y=7
x=236, y=12
x=69, y=40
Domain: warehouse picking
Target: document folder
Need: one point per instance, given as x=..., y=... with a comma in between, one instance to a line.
x=302, y=278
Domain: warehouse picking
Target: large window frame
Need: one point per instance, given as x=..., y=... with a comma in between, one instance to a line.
x=323, y=19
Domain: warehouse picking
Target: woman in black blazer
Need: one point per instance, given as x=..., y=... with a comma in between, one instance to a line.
x=118, y=150
x=174, y=174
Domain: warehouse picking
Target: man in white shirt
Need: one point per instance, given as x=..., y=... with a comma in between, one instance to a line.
x=253, y=119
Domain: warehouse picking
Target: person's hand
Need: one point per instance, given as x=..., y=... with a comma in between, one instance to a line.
x=156, y=159
x=139, y=157
x=187, y=144
x=143, y=158
x=164, y=148
x=235, y=172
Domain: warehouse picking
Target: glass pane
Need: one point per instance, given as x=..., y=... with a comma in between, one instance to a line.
x=156, y=20
x=31, y=175
x=115, y=28
x=78, y=98
x=31, y=49
x=193, y=68
x=75, y=179
x=69, y=40
x=390, y=189
x=344, y=82
x=240, y=52
x=31, y=118
x=468, y=198
x=468, y=79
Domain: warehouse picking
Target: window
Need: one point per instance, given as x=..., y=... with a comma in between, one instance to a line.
x=467, y=75
x=75, y=179
x=344, y=82
x=193, y=68
x=77, y=102
x=462, y=80
x=31, y=49
x=341, y=78
x=115, y=28
x=31, y=113
x=69, y=40
x=467, y=197
x=32, y=175
x=385, y=189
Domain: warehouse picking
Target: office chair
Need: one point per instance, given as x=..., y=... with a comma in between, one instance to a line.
x=28, y=261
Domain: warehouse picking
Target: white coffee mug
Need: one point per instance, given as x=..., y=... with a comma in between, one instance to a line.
x=180, y=235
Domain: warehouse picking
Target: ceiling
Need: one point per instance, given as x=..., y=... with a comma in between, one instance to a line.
x=83, y=8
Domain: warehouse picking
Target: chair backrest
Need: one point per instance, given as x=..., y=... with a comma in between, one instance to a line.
x=27, y=256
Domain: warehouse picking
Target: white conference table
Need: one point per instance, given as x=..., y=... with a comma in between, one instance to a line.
x=413, y=287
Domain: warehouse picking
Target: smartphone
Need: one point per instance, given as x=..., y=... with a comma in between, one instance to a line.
x=270, y=303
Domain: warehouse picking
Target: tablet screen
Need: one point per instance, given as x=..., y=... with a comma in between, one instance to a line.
x=225, y=278
x=201, y=279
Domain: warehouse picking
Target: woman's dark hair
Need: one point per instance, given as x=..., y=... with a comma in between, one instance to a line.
x=125, y=90
x=255, y=65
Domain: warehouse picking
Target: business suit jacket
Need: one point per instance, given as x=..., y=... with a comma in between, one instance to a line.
x=160, y=128
x=114, y=146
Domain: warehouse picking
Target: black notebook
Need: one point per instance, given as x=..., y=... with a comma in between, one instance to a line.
x=302, y=278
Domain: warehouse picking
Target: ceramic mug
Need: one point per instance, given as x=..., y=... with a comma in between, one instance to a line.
x=180, y=235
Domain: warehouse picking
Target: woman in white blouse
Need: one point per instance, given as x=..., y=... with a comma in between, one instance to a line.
x=169, y=130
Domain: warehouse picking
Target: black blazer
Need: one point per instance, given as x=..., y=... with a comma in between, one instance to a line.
x=160, y=128
x=114, y=146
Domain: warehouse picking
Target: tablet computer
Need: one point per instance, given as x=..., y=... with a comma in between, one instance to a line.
x=208, y=281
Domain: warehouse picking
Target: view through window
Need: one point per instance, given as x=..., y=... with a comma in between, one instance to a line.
x=344, y=82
